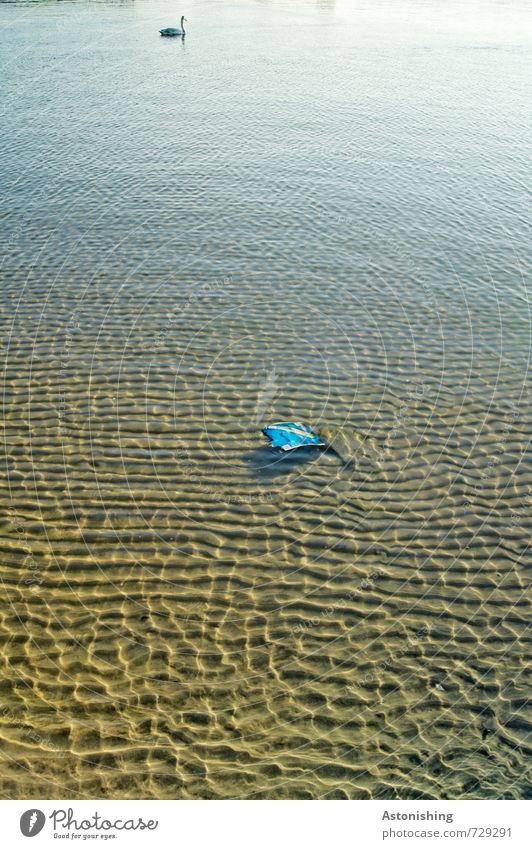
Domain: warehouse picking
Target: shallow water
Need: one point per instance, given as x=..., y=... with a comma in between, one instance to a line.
x=311, y=211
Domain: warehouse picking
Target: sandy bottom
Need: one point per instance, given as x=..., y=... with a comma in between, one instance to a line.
x=191, y=616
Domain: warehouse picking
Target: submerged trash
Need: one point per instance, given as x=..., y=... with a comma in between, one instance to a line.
x=290, y=435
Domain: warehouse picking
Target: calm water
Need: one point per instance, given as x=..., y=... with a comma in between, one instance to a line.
x=307, y=210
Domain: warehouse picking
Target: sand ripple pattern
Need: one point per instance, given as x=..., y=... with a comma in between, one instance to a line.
x=187, y=615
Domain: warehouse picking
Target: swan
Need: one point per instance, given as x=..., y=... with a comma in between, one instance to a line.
x=174, y=30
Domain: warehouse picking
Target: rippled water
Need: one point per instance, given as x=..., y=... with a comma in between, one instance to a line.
x=311, y=211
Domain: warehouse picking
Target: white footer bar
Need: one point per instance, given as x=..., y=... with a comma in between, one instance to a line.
x=267, y=824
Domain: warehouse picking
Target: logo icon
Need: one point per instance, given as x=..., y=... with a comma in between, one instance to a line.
x=32, y=822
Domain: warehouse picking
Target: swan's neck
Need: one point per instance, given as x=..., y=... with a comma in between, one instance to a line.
x=183, y=25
